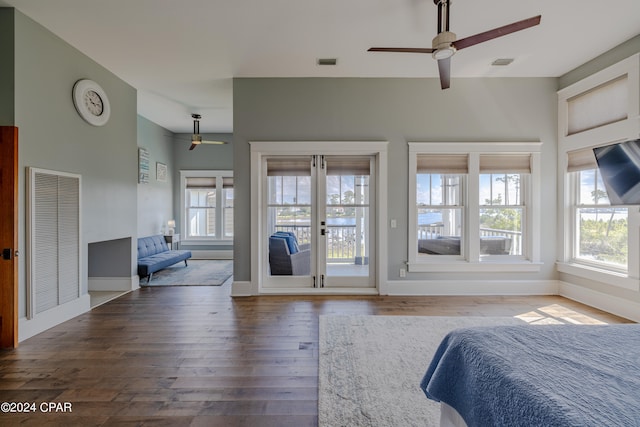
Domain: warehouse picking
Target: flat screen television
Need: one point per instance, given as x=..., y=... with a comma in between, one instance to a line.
x=619, y=166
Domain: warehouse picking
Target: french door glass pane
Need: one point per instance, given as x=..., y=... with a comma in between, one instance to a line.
x=347, y=219
x=289, y=215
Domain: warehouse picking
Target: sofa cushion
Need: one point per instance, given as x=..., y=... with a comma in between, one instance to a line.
x=151, y=245
x=290, y=238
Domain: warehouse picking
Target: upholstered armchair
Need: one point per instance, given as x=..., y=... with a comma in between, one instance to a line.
x=286, y=258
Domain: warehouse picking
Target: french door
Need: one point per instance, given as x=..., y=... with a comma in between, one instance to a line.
x=319, y=221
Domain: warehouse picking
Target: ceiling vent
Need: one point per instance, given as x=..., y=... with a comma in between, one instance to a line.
x=501, y=62
x=327, y=61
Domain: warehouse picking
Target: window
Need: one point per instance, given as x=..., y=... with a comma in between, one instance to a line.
x=600, y=243
x=473, y=206
x=600, y=230
x=208, y=205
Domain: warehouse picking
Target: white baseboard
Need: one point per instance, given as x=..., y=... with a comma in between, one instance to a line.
x=469, y=287
x=242, y=289
x=211, y=254
x=113, y=283
x=50, y=318
x=611, y=304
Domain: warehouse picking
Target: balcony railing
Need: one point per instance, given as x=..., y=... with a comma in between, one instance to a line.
x=341, y=241
x=434, y=231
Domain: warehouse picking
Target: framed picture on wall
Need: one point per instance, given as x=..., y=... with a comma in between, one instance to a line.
x=161, y=172
x=143, y=166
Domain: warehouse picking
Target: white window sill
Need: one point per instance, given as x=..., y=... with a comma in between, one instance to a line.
x=473, y=267
x=208, y=242
x=609, y=277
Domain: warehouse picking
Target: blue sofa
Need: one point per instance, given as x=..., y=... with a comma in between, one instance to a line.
x=154, y=254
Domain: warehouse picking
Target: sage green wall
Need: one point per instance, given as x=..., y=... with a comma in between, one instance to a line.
x=54, y=137
x=155, y=198
x=395, y=110
x=623, y=51
x=6, y=66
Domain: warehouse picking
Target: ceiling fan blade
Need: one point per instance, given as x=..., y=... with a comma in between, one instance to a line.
x=444, y=68
x=497, y=32
x=193, y=146
x=401, y=49
x=213, y=142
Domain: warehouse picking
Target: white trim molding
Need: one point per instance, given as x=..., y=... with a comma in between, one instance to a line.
x=261, y=149
x=470, y=260
x=113, y=283
x=470, y=287
x=52, y=317
x=609, y=303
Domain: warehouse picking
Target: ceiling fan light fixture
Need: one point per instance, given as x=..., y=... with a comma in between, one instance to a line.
x=443, y=46
x=443, y=53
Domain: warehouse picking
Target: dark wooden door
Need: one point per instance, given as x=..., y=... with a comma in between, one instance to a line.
x=8, y=236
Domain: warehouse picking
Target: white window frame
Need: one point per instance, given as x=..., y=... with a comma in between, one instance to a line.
x=471, y=261
x=574, y=185
x=610, y=133
x=219, y=175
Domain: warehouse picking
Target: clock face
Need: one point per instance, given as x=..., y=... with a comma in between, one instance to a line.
x=91, y=102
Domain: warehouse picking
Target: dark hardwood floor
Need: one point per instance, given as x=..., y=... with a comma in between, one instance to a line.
x=194, y=356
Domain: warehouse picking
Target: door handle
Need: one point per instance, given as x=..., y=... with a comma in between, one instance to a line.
x=322, y=232
x=6, y=253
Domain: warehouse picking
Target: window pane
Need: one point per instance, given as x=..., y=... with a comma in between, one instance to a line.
x=500, y=189
x=228, y=212
x=201, y=222
x=437, y=189
x=501, y=231
x=603, y=235
x=591, y=188
x=439, y=231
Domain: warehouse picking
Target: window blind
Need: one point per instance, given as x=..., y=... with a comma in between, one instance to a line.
x=605, y=104
x=442, y=163
x=200, y=182
x=582, y=159
x=505, y=163
x=289, y=166
x=346, y=165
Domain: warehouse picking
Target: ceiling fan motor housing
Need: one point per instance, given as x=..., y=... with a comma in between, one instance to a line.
x=443, y=45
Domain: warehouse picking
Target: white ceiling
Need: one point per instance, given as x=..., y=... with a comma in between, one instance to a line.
x=181, y=56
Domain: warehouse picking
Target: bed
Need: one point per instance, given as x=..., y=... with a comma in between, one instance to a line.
x=547, y=375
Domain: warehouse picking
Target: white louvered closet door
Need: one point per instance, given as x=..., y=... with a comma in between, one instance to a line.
x=54, y=262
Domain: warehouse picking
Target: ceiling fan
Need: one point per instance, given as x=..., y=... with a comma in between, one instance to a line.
x=196, y=138
x=445, y=45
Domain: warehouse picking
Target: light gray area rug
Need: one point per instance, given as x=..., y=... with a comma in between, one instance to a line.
x=370, y=368
x=198, y=272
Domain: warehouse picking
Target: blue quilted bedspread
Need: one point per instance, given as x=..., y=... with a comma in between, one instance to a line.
x=552, y=375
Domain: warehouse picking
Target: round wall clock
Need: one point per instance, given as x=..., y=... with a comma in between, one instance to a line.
x=91, y=102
